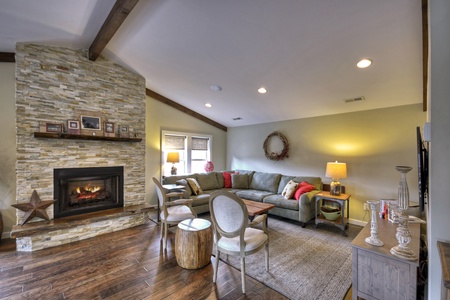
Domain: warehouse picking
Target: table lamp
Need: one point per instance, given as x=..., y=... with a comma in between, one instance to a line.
x=173, y=157
x=336, y=171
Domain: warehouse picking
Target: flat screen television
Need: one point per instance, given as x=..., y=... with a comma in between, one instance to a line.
x=422, y=167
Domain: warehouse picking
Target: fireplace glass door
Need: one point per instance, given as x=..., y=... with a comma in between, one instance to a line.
x=83, y=190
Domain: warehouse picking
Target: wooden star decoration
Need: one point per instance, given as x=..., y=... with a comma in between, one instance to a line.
x=35, y=208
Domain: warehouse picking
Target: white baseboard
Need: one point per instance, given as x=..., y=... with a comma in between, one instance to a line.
x=357, y=222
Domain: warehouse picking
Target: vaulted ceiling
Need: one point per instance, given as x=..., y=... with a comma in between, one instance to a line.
x=304, y=52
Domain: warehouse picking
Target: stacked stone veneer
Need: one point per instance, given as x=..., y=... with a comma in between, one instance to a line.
x=52, y=85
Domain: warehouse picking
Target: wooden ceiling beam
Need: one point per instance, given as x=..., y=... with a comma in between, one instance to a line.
x=425, y=54
x=7, y=57
x=184, y=109
x=117, y=15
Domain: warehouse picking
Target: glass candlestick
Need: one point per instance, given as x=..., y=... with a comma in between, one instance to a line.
x=373, y=239
x=403, y=234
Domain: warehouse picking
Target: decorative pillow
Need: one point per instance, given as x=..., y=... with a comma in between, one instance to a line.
x=239, y=181
x=289, y=189
x=195, y=187
x=187, y=189
x=303, y=187
x=227, y=179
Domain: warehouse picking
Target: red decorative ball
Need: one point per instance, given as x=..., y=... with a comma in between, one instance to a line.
x=209, y=166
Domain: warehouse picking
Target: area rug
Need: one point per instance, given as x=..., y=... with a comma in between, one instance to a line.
x=304, y=263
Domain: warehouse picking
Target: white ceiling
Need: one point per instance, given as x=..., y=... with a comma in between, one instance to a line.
x=303, y=51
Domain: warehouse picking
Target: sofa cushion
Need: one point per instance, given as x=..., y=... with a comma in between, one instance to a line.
x=174, y=179
x=250, y=174
x=187, y=189
x=200, y=199
x=283, y=181
x=239, y=181
x=303, y=187
x=265, y=182
x=195, y=187
x=208, y=181
x=255, y=195
x=289, y=189
x=227, y=179
x=315, y=181
x=281, y=202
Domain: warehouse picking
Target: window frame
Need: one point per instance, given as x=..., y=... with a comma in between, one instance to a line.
x=187, y=163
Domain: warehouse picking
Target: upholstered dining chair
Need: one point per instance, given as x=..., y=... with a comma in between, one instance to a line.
x=232, y=232
x=172, y=212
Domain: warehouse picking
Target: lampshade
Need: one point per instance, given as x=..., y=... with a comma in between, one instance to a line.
x=336, y=170
x=173, y=157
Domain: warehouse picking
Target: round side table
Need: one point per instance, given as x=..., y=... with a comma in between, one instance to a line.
x=193, y=243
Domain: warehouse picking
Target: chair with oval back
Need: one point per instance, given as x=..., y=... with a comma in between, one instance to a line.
x=172, y=212
x=232, y=233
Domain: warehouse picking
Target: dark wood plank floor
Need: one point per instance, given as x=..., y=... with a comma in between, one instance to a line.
x=123, y=265
x=128, y=264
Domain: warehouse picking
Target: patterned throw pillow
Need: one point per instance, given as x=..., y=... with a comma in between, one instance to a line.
x=289, y=189
x=195, y=187
x=303, y=187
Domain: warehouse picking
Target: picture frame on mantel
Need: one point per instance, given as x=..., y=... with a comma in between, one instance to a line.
x=73, y=126
x=124, y=131
x=108, y=128
x=91, y=122
x=54, y=127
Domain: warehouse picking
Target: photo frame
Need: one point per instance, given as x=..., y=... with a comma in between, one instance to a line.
x=54, y=127
x=108, y=128
x=73, y=126
x=124, y=131
x=91, y=122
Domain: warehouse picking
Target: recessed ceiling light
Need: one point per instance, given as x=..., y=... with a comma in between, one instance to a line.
x=208, y=105
x=216, y=88
x=364, y=63
x=262, y=90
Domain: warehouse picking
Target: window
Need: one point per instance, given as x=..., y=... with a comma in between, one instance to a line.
x=194, y=150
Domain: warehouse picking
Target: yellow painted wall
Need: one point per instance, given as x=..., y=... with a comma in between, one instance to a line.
x=7, y=146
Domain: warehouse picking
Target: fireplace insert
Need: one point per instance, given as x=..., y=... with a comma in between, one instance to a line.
x=84, y=190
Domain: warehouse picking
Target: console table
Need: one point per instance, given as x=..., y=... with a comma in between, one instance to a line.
x=376, y=273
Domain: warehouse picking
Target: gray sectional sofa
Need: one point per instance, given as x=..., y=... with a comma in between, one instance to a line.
x=256, y=186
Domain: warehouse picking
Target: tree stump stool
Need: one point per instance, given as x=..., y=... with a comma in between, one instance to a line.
x=193, y=243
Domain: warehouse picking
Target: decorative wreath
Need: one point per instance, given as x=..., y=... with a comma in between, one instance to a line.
x=276, y=156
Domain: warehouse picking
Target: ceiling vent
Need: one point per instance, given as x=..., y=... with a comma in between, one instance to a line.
x=354, y=99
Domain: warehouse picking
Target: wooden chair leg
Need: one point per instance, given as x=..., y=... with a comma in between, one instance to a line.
x=216, y=266
x=161, y=229
x=266, y=254
x=165, y=236
x=243, y=274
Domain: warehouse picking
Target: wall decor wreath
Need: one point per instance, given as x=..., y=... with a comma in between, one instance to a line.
x=273, y=155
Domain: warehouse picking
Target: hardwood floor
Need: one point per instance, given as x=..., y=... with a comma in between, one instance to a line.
x=123, y=265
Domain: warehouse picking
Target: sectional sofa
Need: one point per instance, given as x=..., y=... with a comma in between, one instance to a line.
x=252, y=185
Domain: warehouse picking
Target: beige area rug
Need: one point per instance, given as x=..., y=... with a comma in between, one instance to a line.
x=304, y=263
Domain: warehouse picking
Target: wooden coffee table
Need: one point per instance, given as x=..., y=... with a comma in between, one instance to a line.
x=257, y=208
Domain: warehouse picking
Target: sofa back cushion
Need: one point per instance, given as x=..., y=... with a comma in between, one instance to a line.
x=283, y=182
x=240, y=181
x=315, y=181
x=208, y=181
x=265, y=181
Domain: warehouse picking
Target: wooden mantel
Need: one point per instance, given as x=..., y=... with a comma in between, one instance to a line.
x=51, y=135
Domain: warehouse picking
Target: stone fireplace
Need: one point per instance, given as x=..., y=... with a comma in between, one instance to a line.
x=53, y=84
x=84, y=190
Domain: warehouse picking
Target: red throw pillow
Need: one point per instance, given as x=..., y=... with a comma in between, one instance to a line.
x=303, y=187
x=227, y=179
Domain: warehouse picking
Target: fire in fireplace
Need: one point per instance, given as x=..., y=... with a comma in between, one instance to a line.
x=83, y=190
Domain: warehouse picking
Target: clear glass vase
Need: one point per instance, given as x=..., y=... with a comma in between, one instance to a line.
x=403, y=191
